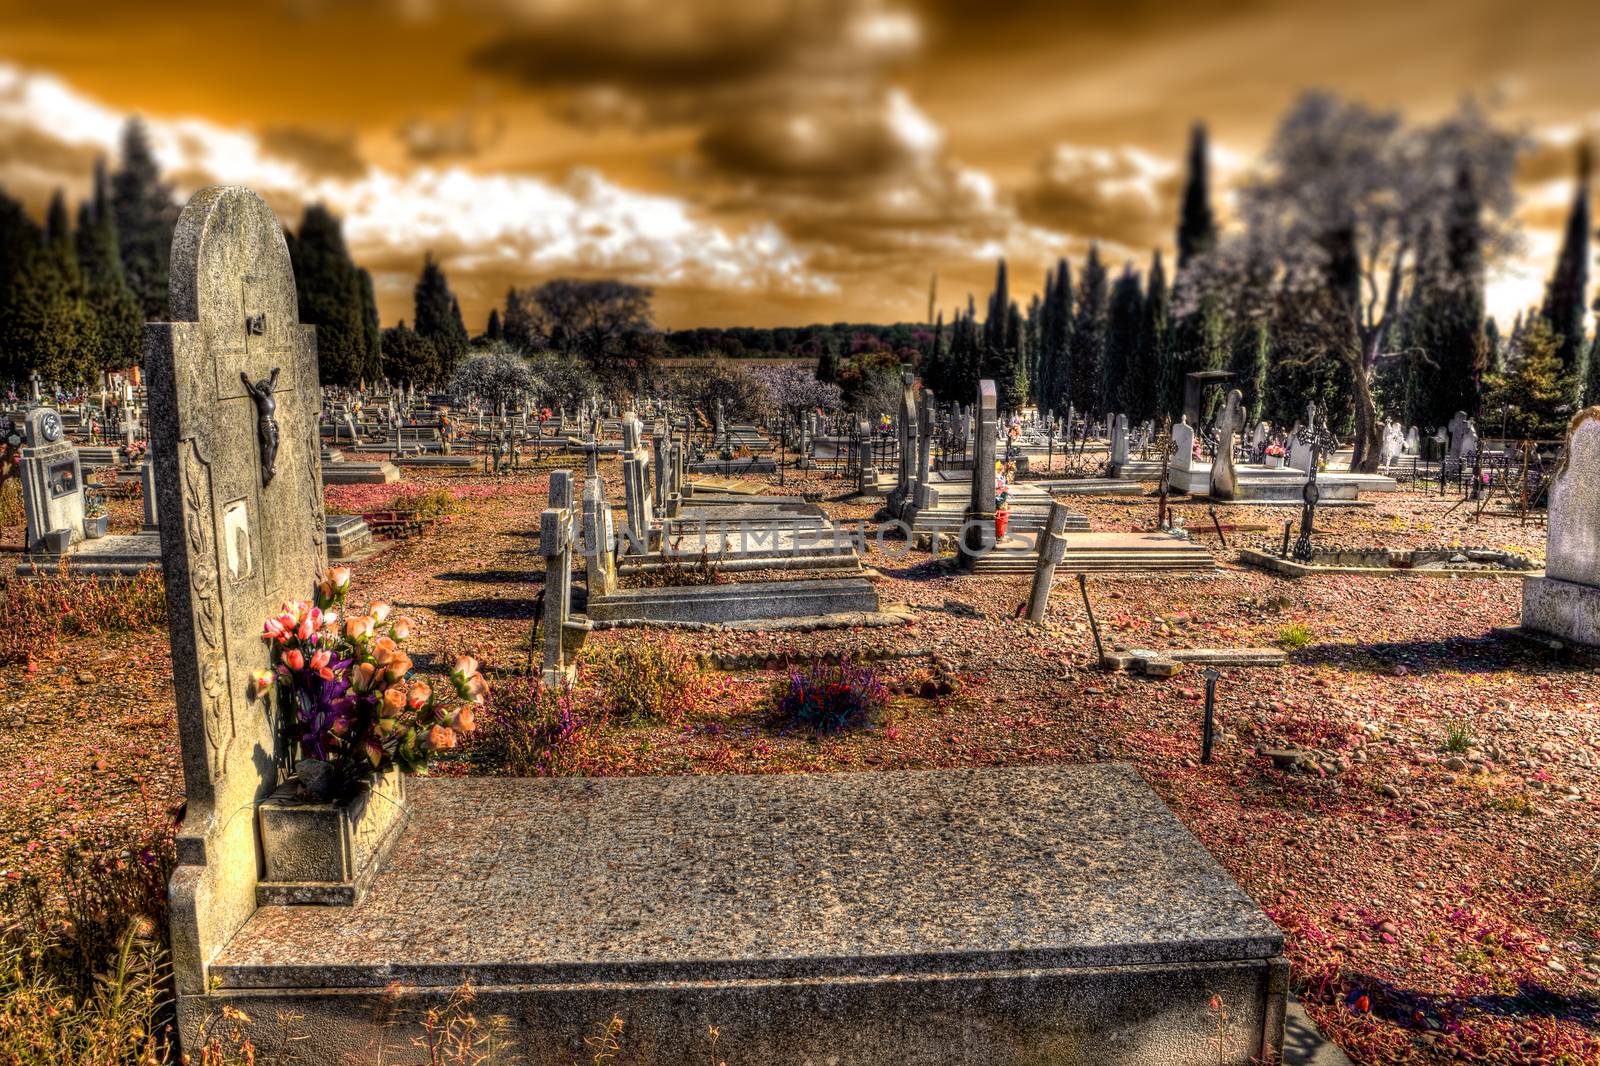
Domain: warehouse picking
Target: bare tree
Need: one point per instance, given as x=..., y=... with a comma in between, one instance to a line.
x=1339, y=210
x=607, y=322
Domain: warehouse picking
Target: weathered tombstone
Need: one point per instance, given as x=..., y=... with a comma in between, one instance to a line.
x=867, y=471
x=52, y=484
x=233, y=394
x=1183, y=451
x=1566, y=601
x=906, y=428
x=1413, y=442
x=1224, y=479
x=1258, y=438
x=555, y=544
x=1051, y=549
x=1119, y=445
x=599, y=540
x=925, y=425
x=1458, y=435
x=979, y=534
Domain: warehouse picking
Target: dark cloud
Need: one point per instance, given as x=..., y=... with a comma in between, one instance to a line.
x=462, y=136
x=322, y=154
x=1553, y=159
x=1122, y=195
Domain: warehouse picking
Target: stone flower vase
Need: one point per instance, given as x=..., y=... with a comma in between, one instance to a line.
x=328, y=851
x=1272, y=461
x=96, y=526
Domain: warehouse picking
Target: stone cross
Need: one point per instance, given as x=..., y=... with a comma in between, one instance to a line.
x=979, y=535
x=1224, y=479
x=52, y=484
x=235, y=546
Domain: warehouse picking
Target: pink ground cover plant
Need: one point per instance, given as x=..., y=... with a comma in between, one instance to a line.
x=358, y=710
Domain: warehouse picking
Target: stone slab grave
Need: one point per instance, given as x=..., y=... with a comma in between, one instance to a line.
x=1260, y=485
x=1108, y=552
x=711, y=604
x=1017, y=915
x=1565, y=602
x=354, y=472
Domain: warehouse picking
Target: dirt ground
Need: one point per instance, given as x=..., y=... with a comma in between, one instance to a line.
x=1435, y=866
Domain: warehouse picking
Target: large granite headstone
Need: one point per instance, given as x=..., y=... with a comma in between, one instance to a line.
x=52, y=484
x=234, y=400
x=1566, y=601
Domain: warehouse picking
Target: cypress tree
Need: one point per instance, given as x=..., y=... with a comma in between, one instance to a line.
x=1058, y=338
x=408, y=358
x=1152, y=367
x=1494, y=348
x=50, y=324
x=371, y=332
x=1197, y=226
x=492, y=331
x=330, y=296
x=1564, y=299
x=118, y=318
x=1046, y=361
x=19, y=241
x=994, y=325
x=438, y=317
x=1120, y=387
x=1012, y=384
x=145, y=216
x=1088, y=343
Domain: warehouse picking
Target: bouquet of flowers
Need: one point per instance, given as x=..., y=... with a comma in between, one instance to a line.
x=354, y=710
x=1274, y=449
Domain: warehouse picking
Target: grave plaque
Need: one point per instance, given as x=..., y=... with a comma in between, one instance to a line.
x=234, y=401
x=52, y=482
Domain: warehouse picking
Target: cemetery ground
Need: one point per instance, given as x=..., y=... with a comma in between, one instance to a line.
x=1425, y=831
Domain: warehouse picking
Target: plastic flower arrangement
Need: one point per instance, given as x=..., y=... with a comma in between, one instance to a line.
x=1274, y=449
x=357, y=709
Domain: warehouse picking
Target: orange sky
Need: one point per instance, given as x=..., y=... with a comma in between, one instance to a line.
x=760, y=161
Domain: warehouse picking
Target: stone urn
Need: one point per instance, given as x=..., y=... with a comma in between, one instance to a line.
x=96, y=526
x=320, y=851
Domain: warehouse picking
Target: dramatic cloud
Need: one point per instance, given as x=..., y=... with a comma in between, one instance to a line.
x=1124, y=194
x=462, y=136
x=503, y=225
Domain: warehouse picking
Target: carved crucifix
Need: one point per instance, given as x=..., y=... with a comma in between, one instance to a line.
x=266, y=421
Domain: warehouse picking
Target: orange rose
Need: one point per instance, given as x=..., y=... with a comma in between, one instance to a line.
x=441, y=737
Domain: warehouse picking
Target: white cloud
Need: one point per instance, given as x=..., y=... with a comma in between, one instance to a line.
x=472, y=221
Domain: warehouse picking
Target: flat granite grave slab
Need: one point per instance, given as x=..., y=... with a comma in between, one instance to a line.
x=1010, y=915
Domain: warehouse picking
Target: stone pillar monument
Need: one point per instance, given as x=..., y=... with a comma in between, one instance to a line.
x=234, y=399
x=978, y=536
